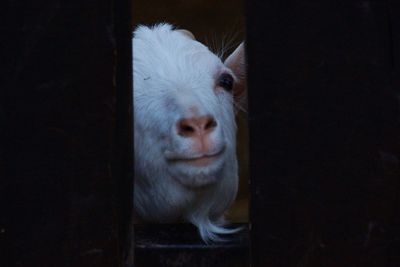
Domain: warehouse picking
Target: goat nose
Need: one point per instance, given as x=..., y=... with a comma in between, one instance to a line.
x=196, y=126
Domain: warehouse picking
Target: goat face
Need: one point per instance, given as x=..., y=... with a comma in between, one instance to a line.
x=184, y=129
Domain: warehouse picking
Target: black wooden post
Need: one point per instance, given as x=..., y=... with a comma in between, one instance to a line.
x=394, y=9
x=65, y=140
x=323, y=116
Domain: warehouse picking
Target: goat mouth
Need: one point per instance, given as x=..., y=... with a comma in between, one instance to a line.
x=199, y=161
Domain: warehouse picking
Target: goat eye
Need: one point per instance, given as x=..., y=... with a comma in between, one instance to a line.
x=226, y=81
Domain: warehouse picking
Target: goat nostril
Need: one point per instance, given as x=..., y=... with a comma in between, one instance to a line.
x=185, y=129
x=211, y=123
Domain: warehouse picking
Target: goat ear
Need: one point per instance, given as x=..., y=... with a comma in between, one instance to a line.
x=237, y=63
x=187, y=33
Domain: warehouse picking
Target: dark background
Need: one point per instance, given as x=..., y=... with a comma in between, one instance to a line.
x=324, y=132
x=212, y=22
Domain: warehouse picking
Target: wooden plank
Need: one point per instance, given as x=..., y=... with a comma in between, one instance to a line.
x=394, y=233
x=60, y=141
x=320, y=109
x=123, y=153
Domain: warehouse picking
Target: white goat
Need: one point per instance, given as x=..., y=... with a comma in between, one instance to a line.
x=184, y=129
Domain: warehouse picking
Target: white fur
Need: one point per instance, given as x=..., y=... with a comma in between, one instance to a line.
x=172, y=74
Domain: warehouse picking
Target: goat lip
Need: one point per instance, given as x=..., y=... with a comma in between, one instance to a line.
x=201, y=160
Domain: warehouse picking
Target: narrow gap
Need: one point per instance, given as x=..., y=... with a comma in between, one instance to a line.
x=393, y=244
x=122, y=165
x=175, y=242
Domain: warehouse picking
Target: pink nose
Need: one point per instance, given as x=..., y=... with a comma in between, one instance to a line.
x=196, y=127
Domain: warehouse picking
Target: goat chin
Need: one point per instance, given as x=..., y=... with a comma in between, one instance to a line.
x=184, y=131
x=202, y=205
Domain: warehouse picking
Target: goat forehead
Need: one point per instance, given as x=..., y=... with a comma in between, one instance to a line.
x=185, y=66
x=164, y=51
x=168, y=65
